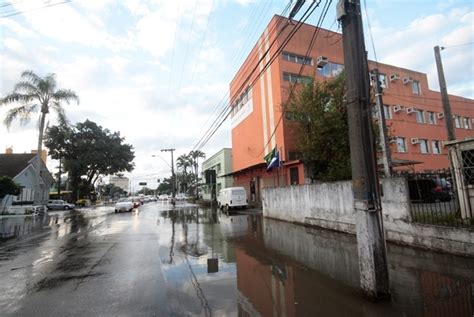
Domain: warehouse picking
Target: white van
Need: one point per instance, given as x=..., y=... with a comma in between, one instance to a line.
x=232, y=197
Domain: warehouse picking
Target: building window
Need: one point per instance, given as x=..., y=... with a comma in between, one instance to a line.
x=241, y=101
x=296, y=78
x=294, y=155
x=431, y=117
x=415, y=87
x=330, y=69
x=424, y=146
x=401, y=145
x=457, y=122
x=294, y=176
x=387, y=112
x=420, y=116
x=435, y=147
x=296, y=58
x=382, y=80
x=467, y=123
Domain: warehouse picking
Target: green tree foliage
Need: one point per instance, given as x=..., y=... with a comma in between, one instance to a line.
x=89, y=151
x=165, y=187
x=322, y=131
x=8, y=187
x=111, y=190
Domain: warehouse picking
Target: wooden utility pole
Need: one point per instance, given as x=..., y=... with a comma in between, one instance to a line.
x=373, y=268
x=173, y=177
x=383, y=135
x=444, y=94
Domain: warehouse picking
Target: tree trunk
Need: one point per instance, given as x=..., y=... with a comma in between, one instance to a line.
x=37, y=197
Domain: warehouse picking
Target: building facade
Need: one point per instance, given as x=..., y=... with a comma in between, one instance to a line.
x=415, y=118
x=22, y=169
x=221, y=162
x=120, y=181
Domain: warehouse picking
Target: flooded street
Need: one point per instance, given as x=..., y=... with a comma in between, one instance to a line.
x=195, y=262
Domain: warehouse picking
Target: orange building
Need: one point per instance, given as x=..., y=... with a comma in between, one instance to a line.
x=414, y=113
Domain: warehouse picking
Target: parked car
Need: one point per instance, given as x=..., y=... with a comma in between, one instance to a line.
x=59, y=204
x=124, y=204
x=232, y=197
x=429, y=190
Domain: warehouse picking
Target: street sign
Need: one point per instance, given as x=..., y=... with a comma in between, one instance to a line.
x=142, y=184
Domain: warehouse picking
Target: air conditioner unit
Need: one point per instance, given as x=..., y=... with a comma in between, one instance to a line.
x=441, y=115
x=394, y=77
x=415, y=141
x=410, y=110
x=321, y=61
x=392, y=139
x=407, y=80
x=397, y=108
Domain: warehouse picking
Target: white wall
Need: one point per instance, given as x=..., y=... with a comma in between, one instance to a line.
x=330, y=205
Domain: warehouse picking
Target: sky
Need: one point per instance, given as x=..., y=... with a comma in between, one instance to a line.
x=157, y=71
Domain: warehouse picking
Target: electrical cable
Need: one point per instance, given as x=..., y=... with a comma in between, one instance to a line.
x=259, y=45
x=224, y=113
x=310, y=47
x=35, y=9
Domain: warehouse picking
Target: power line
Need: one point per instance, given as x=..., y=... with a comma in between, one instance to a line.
x=225, y=113
x=35, y=9
x=212, y=128
x=235, y=60
x=310, y=47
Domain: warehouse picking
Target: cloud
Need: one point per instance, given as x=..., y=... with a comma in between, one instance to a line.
x=412, y=47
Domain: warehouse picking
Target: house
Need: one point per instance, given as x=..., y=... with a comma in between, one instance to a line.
x=259, y=123
x=221, y=162
x=21, y=168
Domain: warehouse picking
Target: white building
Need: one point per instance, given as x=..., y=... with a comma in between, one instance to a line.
x=120, y=181
x=221, y=162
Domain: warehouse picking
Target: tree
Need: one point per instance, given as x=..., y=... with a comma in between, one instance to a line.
x=8, y=187
x=35, y=93
x=195, y=156
x=89, y=152
x=183, y=162
x=166, y=186
x=322, y=129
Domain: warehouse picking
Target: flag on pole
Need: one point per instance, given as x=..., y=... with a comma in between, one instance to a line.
x=272, y=159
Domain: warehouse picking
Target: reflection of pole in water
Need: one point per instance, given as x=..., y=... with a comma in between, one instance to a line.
x=172, y=216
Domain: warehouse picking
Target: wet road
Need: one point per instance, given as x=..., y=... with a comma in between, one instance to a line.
x=193, y=262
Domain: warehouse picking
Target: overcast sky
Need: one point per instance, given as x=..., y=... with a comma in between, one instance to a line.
x=156, y=70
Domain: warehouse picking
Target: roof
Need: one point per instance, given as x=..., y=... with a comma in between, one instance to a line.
x=249, y=168
x=12, y=164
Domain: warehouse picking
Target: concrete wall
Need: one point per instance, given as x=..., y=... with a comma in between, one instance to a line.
x=330, y=206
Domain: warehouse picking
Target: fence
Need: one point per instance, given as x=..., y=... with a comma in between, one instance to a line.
x=434, y=199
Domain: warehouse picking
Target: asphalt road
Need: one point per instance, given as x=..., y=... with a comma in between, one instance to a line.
x=104, y=264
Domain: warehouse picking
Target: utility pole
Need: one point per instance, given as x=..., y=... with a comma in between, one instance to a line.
x=172, y=172
x=444, y=94
x=373, y=268
x=386, y=155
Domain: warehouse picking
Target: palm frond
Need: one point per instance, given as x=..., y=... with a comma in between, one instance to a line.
x=22, y=112
x=25, y=86
x=66, y=95
x=62, y=118
x=31, y=76
x=16, y=97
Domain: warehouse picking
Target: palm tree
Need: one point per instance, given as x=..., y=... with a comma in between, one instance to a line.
x=194, y=156
x=32, y=94
x=183, y=162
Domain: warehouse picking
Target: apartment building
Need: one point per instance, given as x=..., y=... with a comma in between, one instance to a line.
x=415, y=118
